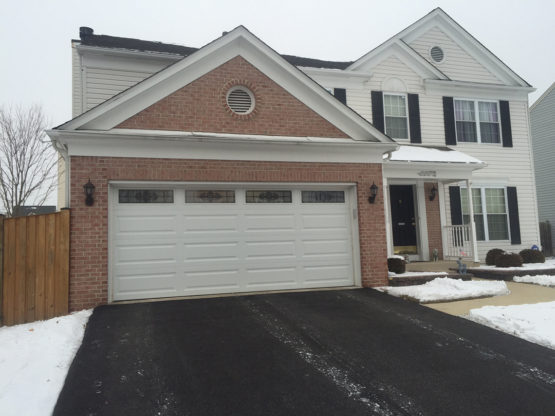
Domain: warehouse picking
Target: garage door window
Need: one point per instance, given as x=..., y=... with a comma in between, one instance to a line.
x=209, y=196
x=268, y=197
x=323, y=196
x=145, y=196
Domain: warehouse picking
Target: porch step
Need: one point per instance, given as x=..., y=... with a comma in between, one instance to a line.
x=438, y=266
x=420, y=280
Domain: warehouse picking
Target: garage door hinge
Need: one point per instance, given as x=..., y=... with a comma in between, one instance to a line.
x=354, y=213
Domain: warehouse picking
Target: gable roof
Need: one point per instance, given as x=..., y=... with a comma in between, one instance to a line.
x=438, y=17
x=115, y=42
x=239, y=41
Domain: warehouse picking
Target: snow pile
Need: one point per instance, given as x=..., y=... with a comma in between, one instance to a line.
x=445, y=289
x=543, y=280
x=409, y=274
x=549, y=264
x=34, y=359
x=533, y=323
x=413, y=153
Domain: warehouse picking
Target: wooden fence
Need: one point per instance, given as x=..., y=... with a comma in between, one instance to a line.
x=35, y=267
x=546, y=238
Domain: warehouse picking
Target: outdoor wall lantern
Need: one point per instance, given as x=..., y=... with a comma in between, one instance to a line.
x=433, y=193
x=373, y=193
x=89, y=191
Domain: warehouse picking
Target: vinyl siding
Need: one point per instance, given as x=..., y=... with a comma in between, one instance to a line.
x=76, y=83
x=542, y=123
x=457, y=64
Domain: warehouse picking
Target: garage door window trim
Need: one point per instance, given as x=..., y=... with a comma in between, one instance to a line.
x=145, y=196
x=209, y=196
x=268, y=196
x=323, y=197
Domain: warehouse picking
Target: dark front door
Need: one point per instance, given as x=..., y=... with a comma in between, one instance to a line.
x=403, y=219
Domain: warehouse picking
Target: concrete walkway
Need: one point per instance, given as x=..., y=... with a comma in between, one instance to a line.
x=521, y=293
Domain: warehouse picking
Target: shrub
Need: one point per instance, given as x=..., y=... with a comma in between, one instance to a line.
x=532, y=256
x=508, y=260
x=492, y=255
x=396, y=265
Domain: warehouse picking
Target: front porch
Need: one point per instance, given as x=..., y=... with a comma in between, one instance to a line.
x=421, y=222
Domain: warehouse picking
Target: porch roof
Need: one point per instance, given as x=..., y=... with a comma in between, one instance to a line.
x=440, y=162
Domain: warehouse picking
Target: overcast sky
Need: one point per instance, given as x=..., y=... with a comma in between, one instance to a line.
x=35, y=34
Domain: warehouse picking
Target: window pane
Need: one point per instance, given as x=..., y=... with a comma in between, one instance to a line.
x=479, y=222
x=464, y=110
x=498, y=228
x=145, y=196
x=489, y=133
x=495, y=201
x=268, y=196
x=323, y=196
x=488, y=112
x=209, y=196
x=396, y=127
x=476, y=200
x=395, y=105
x=466, y=131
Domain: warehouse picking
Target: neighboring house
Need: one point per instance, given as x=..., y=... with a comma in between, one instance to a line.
x=542, y=125
x=25, y=210
x=231, y=168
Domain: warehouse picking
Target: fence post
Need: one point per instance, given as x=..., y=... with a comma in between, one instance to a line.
x=1, y=269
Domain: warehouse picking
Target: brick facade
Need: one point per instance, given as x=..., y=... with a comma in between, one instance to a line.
x=89, y=225
x=201, y=106
x=434, y=221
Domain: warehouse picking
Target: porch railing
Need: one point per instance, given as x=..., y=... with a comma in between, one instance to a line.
x=458, y=241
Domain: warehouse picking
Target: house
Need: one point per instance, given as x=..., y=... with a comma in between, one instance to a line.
x=231, y=168
x=542, y=124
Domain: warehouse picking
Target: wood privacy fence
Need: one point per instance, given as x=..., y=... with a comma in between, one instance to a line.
x=35, y=267
x=546, y=238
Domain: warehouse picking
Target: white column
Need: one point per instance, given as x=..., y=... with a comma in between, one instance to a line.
x=422, y=222
x=472, y=223
x=386, y=206
x=442, y=216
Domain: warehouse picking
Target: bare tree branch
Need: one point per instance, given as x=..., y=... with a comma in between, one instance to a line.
x=27, y=160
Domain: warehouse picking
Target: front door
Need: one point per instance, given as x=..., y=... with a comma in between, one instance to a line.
x=403, y=219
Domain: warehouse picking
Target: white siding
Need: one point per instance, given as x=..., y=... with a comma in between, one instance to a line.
x=76, y=83
x=542, y=120
x=457, y=64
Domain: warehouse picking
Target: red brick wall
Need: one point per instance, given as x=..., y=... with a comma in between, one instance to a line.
x=434, y=221
x=89, y=225
x=201, y=106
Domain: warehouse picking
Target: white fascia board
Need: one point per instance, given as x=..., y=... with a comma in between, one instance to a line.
x=477, y=90
x=103, y=51
x=213, y=146
x=337, y=78
x=239, y=42
x=472, y=46
x=429, y=171
x=127, y=61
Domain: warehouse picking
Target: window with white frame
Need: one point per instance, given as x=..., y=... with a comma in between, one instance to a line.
x=490, y=213
x=396, y=116
x=477, y=121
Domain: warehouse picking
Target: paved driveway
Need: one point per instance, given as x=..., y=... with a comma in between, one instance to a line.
x=350, y=352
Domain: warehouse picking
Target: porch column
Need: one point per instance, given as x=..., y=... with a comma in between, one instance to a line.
x=388, y=236
x=472, y=223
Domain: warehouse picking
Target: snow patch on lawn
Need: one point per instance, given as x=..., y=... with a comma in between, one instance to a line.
x=531, y=322
x=543, y=280
x=409, y=274
x=549, y=264
x=445, y=289
x=34, y=360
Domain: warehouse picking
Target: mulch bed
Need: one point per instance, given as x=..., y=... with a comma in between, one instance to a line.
x=501, y=274
x=420, y=280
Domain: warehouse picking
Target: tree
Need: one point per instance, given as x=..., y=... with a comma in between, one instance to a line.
x=27, y=159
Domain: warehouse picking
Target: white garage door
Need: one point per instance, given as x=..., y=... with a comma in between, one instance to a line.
x=182, y=241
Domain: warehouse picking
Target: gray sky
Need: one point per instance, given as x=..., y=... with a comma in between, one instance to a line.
x=35, y=34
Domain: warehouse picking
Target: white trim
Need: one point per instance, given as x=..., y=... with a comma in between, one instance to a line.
x=400, y=94
x=442, y=215
x=477, y=120
x=422, y=221
x=476, y=90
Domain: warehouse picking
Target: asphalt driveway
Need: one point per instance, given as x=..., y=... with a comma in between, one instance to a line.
x=344, y=352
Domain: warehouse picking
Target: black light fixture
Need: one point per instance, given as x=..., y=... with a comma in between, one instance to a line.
x=373, y=193
x=433, y=193
x=89, y=191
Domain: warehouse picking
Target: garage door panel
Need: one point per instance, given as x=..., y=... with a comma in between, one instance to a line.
x=210, y=223
x=325, y=221
x=269, y=222
x=263, y=278
x=138, y=286
x=268, y=250
x=325, y=247
x=340, y=274
x=146, y=224
x=146, y=253
x=212, y=251
x=211, y=280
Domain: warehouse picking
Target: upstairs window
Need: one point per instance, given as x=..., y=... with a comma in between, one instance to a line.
x=395, y=114
x=477, y=121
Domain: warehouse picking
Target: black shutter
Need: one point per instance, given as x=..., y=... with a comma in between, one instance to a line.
x=456, y=207
x=377, y=110
x=449, y=121
x=340, y=94
x=506, y=130
x=414, y=119
x=514, y=221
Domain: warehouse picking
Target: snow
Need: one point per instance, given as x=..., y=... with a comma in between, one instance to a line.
x=543, y=280
x=396, y=256
x=431, y=154
x=409, y=274
x=531, y=322
x=446, y=289
x=34, y=360
x=549, y=264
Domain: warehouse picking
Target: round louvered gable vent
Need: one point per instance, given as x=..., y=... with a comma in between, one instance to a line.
x=240, y=100
x=437, y=54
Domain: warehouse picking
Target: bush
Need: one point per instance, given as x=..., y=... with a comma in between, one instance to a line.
x=492, y=256
x=396, y=265
x=508, y=260
x=532, y=256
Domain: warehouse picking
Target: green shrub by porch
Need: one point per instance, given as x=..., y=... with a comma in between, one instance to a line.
x=492, y=256
x=532, y=256
x=508, y=260
x=396, y=265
